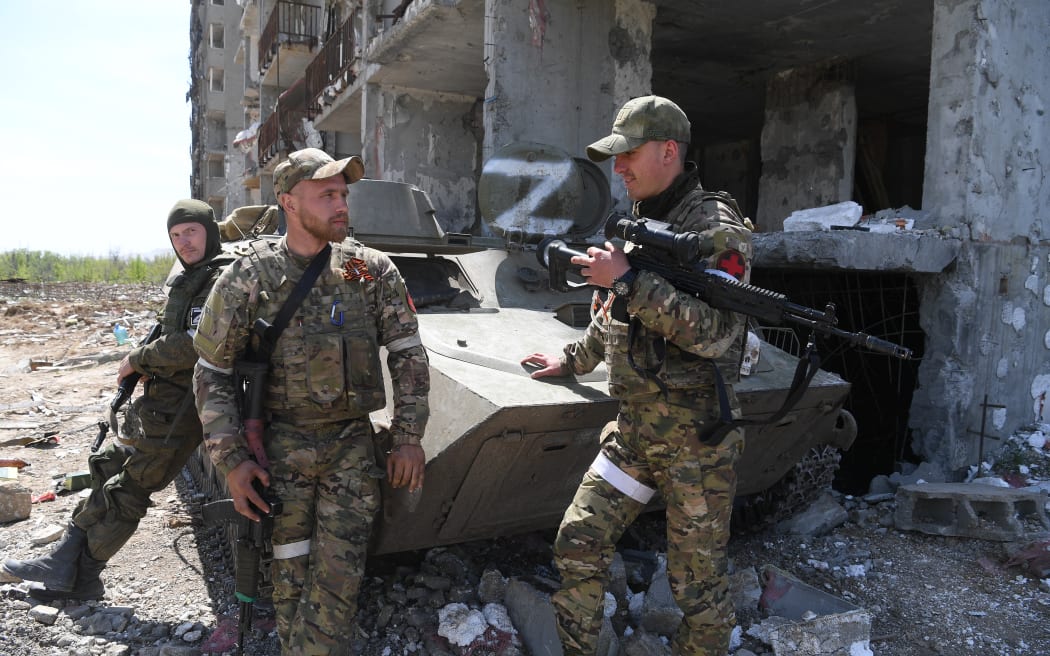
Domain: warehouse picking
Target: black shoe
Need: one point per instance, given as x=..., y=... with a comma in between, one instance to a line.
x=88, y=584
x=57, y=571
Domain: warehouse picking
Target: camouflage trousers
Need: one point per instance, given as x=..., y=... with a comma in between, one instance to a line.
x=154, y=448
x=328, y=482
x=653, y=447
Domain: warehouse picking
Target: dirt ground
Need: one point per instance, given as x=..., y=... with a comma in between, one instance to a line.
x=58, y=358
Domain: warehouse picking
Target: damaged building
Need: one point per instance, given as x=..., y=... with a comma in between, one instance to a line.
x=929, y=116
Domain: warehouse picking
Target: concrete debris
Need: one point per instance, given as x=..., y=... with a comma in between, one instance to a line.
x=659, y=613
x=822, y=516
x=44, y=614
x=461, y=624
x=533, y=615
x=46, y=534
x=16, y=502
x=968, y=510
x=818, y=624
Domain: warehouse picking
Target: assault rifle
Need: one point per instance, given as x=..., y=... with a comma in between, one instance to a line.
x=124, y=391
x=252, y=544
x=253, y=539
x=676, y=258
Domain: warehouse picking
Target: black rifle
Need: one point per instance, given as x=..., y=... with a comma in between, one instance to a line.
x=250, y=373
x=675, y=257
x=124, y=391
x=253, y=538
x=252, y=549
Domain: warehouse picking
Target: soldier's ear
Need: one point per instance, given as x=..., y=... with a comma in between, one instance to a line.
x=671, y=150
x=287, y=202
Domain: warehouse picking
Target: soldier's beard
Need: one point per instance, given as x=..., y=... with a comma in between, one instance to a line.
x=322, y=229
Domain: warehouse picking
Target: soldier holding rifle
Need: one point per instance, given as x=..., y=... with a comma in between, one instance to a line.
x=161, y=429
x=323, y=378
x=665, y=352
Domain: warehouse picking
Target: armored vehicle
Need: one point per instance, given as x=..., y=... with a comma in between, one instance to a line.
x=505, y=452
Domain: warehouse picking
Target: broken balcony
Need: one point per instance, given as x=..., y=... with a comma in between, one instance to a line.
x=288, y=41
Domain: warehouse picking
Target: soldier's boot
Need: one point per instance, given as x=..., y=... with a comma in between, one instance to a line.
x=57, y=570
x=88, y=584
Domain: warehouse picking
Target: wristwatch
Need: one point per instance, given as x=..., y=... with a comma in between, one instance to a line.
x=622, y=285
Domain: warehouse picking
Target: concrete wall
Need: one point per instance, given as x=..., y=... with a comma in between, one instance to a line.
x=728, y=167
x=987, y=318
x=809, y=143
x=990, y=91
x=558, y=77
x=430, y=140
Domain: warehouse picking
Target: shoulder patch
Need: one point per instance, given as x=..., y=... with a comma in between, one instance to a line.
x=732, y=262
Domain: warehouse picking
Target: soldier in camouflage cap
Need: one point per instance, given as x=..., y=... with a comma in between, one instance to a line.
x=662, y=354
x=160, y=431
x=324, y=378
x=314, y=164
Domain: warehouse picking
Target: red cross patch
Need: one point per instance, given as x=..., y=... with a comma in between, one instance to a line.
x=356, y=269
x=732, y=262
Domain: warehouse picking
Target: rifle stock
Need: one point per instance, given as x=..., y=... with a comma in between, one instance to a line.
x=674, y=257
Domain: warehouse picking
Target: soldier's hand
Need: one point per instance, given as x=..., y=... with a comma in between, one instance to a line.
x=246, y=499
x=406, y=465
x=545, y=364
x=602, y=266
x=125, y=369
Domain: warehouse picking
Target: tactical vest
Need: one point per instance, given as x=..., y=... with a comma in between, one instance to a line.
x=325, y=366
x=718, y=220
x=186, y=295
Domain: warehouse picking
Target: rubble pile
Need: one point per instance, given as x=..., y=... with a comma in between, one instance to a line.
x=841, y=577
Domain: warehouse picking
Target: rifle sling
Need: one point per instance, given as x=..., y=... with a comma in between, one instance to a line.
x=268, y=340
x=808, y=365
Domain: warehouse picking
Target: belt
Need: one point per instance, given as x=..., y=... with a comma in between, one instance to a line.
x=290, y=420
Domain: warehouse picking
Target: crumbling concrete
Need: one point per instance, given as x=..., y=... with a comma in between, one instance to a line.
x=986, y=319
x=818, y=624
x=967, y=510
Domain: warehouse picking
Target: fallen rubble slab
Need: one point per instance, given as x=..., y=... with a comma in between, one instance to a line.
x=817, y=623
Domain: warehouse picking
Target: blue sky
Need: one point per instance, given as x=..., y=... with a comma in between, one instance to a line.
x=94, y=123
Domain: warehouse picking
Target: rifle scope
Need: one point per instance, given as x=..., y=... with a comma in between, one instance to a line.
x=683, y=246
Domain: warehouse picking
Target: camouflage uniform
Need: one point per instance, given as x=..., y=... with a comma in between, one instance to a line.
x=324, y=379
x=161, y=428
x=653, y=446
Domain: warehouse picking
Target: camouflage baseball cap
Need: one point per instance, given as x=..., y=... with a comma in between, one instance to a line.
x=314, y=164
x=649, y=118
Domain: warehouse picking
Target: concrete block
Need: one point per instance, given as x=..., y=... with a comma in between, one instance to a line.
x=816, y=623
x=16, y=502
x=966, y=510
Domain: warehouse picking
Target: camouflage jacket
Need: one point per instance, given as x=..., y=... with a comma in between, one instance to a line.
x=676, y=337
x=168, y=361
x=325, y=366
